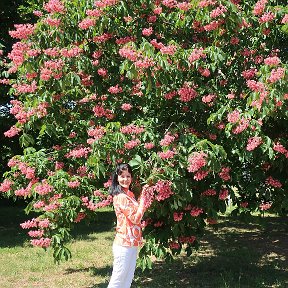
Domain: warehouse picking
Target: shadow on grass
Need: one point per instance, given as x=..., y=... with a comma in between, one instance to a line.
x=13, y=235
x=236, y=255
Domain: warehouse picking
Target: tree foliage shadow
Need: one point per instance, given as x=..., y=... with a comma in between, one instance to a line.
x=237, y=255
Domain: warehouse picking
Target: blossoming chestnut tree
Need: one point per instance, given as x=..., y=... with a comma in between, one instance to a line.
x=193, y=94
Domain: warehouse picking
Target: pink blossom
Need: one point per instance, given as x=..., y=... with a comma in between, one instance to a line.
x=178, y=216
x=272, y=61
x=53, y=22
x=209, y=192
x=42, y=242
x=131, y=144
x=44, y=188
x=37, y=13
x=36, y=233
x=234, y=41
x=128, y=53
x=259, y=7
x=147, y=31
x=200, y=175
x=224, y=193
x=169, y=3
x=173, y=245
x=44, y=223
x=167, y=140
x=243, y=125
x=94, y=12
x=102, y=38
x=196, y=161
x=253, y=142
x=205, y=3
x=267, y=17
x=249, y=74
x=169, y=154
x=157, y=45
x=80, y=216
x=126, y=106
x=279, y=148
x=102, y=72
x=196, y=55
x=78, y=153
x=147, y=195
x=124, y=40
x=273, y=182
x=170, y=95
x=6, y=185
x=23, y=31
x=73, y=184
x=204, y=71
x=212, y=26
x=255, y=86
x=224, y=173
x=276, y=74
x=132, y=129
x=219, y=11
x=97, y=133
x=187, y=93
x=25, y=88
x=184, y=6
x=54, y=6
x=87, y=23
x=157, y=10
x=195, y=212
x=149, y=145
x=53, y=52
x=115, y=89
x=285, y=19
x=187, y=239
x=38, y=204
x=265, y=206
x=169, y=50
x=208, y=98
x=13, y=131
x=29, y=224
x=163, y=188
x=144, y=63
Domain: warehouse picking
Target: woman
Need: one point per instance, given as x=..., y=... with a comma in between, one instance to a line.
x=128, y=231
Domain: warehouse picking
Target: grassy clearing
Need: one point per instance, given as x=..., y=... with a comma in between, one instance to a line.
x=253, y=254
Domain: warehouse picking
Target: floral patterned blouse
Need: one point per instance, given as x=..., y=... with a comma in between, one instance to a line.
x=129, y=215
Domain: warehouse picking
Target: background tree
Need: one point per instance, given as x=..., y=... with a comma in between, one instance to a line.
x=187, y=92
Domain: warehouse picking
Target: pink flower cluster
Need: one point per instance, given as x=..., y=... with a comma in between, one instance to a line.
x=13, y=131
x=265, y=206
x=115, y=89
x=42, y=242
x=87, y=23
x=267, y=17
x=25, y=88
x=178, y=216
x=223, y=195
x=196, y=161
x=206, y=3
x=73, y=184
x=273, y=182
x=105, y=3
x=285, y=19
x=128, y=53
x=36, y=233
x=163, y=189
x=209, y=192
x=23, y=31
x=54, y=6
x=196, y=211
x=280, y=148
x=174, y=245
x=200, y=175
x=276, y=74
x=132, y=129
x=219, y=11
x=147, y=195
x=253, y=142
x=259, y=7
x=126, y=106
x=80, y=216
x=169, y=3
x=44, y=188
x=224, y=173
x=93, y=206
x=167, y=140
x=100, y=111
x=169, y=50
x=187, y=93
x=187, y=239
x=149, y=145
x=132, y=143
x=78, y=152
x=255, y=86
x=34, y=223
x=250, y=73
x=147, y=31
x=243, y=125
x=97, y=133
x=169, y=154
x=6, y=185
x=272, y=61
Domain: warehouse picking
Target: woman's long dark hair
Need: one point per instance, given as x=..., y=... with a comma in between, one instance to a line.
x=115, y=188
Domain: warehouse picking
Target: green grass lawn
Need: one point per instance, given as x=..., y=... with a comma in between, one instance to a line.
x=253, y=255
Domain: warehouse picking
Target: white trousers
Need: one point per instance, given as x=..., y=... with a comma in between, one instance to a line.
x=124, y=265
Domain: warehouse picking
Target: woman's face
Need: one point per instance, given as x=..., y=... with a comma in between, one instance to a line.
x=124, y=180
